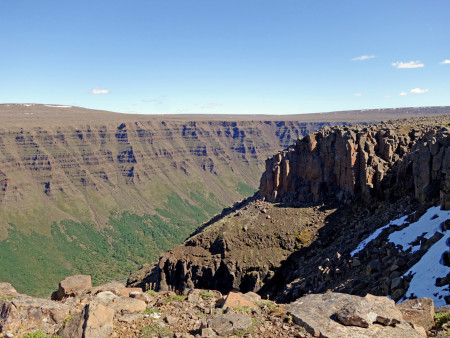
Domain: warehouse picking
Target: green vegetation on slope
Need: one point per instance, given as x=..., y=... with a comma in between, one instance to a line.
x=34, y=263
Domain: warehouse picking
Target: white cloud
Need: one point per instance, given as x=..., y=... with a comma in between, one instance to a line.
x=407, y=65
x=97, y=91
x=210, y=105
x=358, y=94
x=445, y=62
x=403, y=94
x=363, y=57
x=419, y=91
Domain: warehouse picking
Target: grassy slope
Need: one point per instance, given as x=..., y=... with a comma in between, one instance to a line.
x=73, y=247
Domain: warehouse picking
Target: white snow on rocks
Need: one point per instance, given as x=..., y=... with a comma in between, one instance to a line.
x=427, y=270
x=427, y=225
x=56, y=106
x=362, y=245
x=431, y=265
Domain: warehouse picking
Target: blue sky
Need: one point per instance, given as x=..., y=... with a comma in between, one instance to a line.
x=217, y=56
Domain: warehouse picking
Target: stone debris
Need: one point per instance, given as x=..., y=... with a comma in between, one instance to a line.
x=205, y=313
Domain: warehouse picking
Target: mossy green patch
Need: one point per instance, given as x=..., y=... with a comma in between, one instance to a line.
x=35, y=263
x=245, y=189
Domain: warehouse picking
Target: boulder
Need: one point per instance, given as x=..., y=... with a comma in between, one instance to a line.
x=106, y=297
x=148, y=299
x=117, y=288
x=23, y=314
x=72, y=286
x=237, y=299
x=343, y=315
x=229, y=323
x=418, y=312
x=95, y=321
x=127, y=305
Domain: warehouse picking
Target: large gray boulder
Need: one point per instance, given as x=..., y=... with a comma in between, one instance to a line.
x=229, y=323
x=341, y=316
x=95, y=321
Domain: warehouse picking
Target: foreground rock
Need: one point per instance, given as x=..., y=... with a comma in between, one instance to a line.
x=72, y=286
x=101, y=313
x=230, y=323
x=418, y=311
x=95, y=321
x=24, y=313
x=341, y=315
x=7, y=290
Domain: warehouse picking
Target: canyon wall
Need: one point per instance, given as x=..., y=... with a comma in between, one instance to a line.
x=107, y=197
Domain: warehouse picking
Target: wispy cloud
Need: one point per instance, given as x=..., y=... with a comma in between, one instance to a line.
x=408, y=65
x=157, y=101
x=97, y=91
x=403, y=94
x=210, y=105
x=363, y=57
x=358, y=94
x=445, y=62
x=419, y=91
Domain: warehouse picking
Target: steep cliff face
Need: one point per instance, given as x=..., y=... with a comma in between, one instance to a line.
x=318, y=200
x=364, y=163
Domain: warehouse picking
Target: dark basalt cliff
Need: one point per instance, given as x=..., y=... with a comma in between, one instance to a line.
x=318, y=199
x=360, y=162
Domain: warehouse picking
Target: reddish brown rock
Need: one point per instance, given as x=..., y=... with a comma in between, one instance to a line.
x=238, y=300
x=72, y=286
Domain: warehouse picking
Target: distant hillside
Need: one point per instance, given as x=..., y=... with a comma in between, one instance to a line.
x=101, y=193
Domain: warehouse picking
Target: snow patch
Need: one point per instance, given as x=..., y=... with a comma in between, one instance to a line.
x=56, y=106
x=362, y=245
x=427, y=270
x=427, y=225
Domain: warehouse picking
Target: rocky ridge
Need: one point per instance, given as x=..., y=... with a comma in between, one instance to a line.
x=111, y=310
x=334, y=188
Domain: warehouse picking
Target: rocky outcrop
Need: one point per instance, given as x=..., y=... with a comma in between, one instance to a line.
x=340, y=315
x=365, y=163
x=239, y=250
